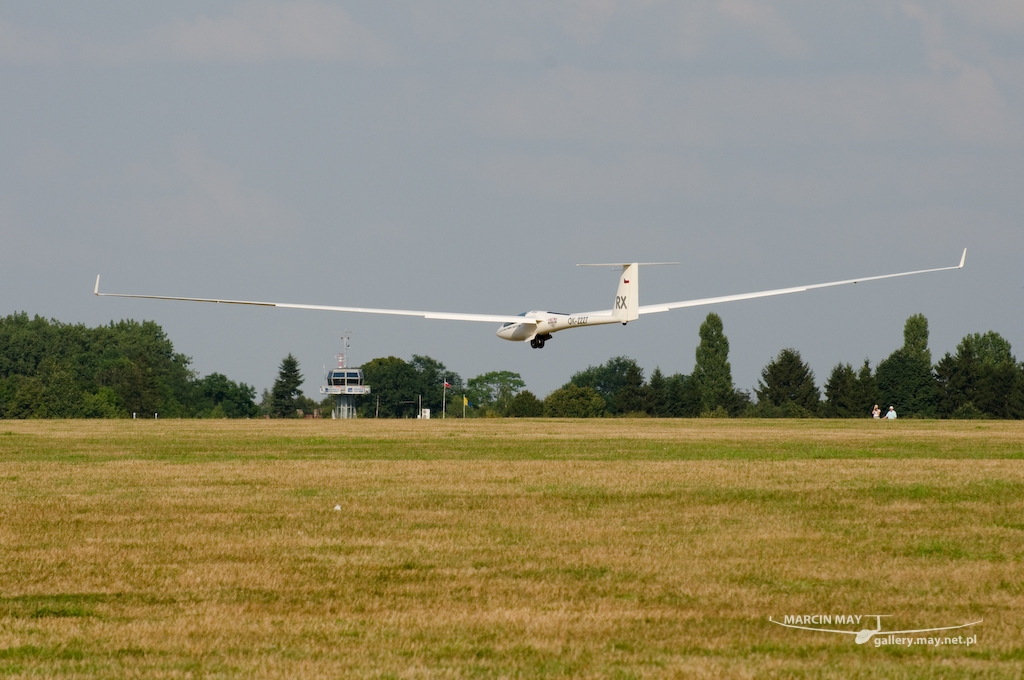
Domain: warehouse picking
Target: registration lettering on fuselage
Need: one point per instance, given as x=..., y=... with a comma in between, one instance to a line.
x=578, y=320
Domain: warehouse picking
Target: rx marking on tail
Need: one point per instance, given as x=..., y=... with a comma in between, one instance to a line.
x=620, y=302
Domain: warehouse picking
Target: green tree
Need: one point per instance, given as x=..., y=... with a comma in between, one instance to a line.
x=217, y=396
x=712, y=374
x=308, y=406
x=657, y=395
x=62, y=397
x=399, y=387
x=573, y=401
x=983, y=378
x=132, y=383
x=915, y=337
x=842, y=394
x=849, y=393
x=787, y=380
x=287, y=389
x=25, y=397
x=266, y=398
x=102, y=404
x=632, y=396
x=608, y=379
x=905, y=378
x=867, y=388
x=395, y=386
x=683, y=396
x=138, y=361
x=992, y=349
x=494, y=391
x=52, y=369
x=525, y=405
x=431, y=376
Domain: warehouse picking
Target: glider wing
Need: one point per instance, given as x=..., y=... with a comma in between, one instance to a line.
x=450, y=316
x=651, y=309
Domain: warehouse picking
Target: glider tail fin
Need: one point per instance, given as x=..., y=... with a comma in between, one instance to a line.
x=627, y=297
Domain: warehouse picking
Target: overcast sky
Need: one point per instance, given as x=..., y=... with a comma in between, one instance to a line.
x=464, y=156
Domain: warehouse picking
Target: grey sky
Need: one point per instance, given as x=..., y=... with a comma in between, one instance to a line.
x=463, y=156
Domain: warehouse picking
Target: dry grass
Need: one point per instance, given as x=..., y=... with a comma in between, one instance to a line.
x=625, y=548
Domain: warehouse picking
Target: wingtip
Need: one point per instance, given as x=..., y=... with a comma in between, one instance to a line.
x=96, y=290
x=963, y=258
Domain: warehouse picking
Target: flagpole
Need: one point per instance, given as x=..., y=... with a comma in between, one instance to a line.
x=444, y=396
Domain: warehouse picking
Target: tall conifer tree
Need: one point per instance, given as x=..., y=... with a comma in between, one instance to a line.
x=788, y=380
x=905, y=378
x=712, y=374
x=842, y=393
x=867, y=388
x=284, y=396
x=657, y=394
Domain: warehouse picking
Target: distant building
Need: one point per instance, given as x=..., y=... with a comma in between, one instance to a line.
x=345, y=384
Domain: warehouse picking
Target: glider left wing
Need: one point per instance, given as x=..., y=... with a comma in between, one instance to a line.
x=449, y=316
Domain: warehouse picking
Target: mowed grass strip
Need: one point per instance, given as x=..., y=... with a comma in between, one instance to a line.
x=165, y=550
x=507, y=439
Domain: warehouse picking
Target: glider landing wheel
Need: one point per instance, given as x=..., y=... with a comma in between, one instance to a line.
x=538, y=342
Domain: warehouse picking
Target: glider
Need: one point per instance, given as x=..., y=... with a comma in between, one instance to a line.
x=537, y=327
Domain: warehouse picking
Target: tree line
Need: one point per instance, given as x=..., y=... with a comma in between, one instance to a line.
x=981, y=379
x=50, y=369
x=615, y=388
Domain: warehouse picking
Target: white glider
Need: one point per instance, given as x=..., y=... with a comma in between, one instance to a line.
x=537, y=327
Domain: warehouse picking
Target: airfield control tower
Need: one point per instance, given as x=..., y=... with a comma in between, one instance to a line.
x=344, y=383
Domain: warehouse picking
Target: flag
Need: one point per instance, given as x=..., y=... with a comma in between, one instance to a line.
x=465, y=401
x=447, y=384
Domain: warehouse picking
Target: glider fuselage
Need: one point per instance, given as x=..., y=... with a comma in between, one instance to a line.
x=546, y=323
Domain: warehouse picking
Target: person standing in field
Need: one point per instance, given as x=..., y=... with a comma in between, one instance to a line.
x=891, y=415
x=876, y=412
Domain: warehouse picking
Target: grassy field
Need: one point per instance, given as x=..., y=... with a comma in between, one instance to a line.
x=498, y=548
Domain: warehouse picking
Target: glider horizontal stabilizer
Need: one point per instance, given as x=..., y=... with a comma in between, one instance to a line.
x=625, y=264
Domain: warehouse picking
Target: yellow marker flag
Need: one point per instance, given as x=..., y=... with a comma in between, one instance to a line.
x=465, y=400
